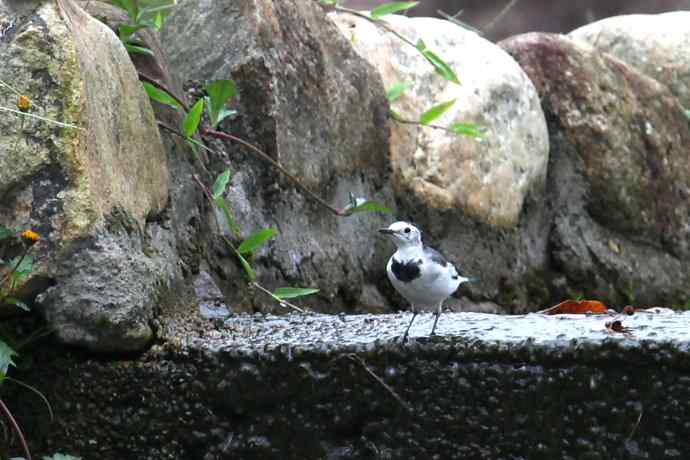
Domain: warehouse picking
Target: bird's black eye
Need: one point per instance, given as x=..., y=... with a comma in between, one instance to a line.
x=407, y=230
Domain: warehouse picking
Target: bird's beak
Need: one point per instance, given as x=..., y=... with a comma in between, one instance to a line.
x=472, y=280
x=386, y=231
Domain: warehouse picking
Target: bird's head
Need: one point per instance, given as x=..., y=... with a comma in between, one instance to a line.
x=403, y=234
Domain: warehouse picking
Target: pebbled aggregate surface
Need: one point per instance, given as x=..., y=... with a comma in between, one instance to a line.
x=340, y=387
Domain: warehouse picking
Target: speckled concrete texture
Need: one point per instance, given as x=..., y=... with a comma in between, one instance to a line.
x=337, y=387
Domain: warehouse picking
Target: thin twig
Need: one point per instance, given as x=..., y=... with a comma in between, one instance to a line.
x=501, y=14
x=16, y=266
x=413, y=122
x=637, y=424
x=35, y=391
x=18, y=430
x=360, y=361
x=177, y=132
x=264, y=156
x=378, y=22
x=15, y=91
x=25, y=114
x=162, y=87
x=454, y=19
x=282, y=302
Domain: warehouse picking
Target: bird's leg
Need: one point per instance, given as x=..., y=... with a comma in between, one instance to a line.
x=438, y=313
x=414, y=314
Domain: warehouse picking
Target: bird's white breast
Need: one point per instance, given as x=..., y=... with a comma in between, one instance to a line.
x=433, y=285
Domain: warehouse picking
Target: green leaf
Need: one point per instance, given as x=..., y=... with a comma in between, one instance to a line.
x=25, y=266
x=440, y=65
x=421, y=46
x=329, y=2
x=6, y=232
x=125, y=31
x=136, y=49
x=292, y=292
x=191, y=122
x=219, y=93
x=369, y=206
x=395, y=115
x=16, y=302
x=158, y=20
x=223, y=205
x=397, y=90
x=220, y=184
x=161, y=96
x=251, y=274
x=393, y=7
x=6, y=354
x=435, y=112
x=130, y=6
x=468, y=129
x=256, y=240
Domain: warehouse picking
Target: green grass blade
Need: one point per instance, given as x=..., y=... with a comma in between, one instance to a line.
x=256, y=240
x=390, y=8
x=292, y=292
x=435, y=112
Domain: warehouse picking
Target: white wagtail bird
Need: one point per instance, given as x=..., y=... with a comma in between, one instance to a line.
x=420, y=273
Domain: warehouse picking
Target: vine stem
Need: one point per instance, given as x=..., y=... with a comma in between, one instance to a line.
x=254, y=149
x=18, y=430
x=14, y=269
x=281, y=302
x=380, y=23
x=153, y=82
x=266, y=157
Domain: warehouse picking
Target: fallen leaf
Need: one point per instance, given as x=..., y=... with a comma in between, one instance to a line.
x=576, y=307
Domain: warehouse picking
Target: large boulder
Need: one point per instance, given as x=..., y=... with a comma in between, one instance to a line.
x=619, y=177
x=95, y=191
x=488, y=180
x=655, y=44
x=309, y=101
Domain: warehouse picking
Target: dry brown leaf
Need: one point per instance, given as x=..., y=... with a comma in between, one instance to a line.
x=576, y=307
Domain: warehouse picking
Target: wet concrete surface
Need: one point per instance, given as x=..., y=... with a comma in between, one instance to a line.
x=340, y=387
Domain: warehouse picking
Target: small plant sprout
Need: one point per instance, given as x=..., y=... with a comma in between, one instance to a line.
x=220, y=92
x=141, y=14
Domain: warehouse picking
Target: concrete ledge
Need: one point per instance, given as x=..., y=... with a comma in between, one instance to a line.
x=340, y=387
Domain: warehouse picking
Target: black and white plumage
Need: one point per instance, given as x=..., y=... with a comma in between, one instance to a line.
x=420, y=273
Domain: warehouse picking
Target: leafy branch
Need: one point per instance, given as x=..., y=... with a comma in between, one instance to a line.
x=218, y=94
x=249, y=245
x=440, y=66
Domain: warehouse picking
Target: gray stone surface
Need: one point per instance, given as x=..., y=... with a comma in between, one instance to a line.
x=309, y=101
x=97, y=195
x=654, y=44
x=307, y=387
x=488, y=180
x=619, y=175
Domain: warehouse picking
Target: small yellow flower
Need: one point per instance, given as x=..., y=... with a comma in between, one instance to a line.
x=30, y=236
x=24, y=103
